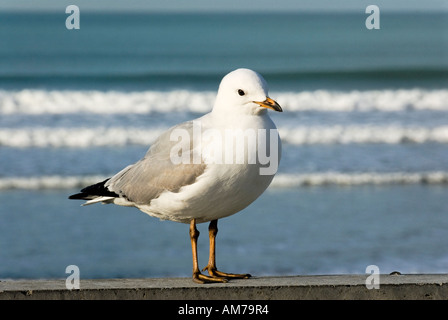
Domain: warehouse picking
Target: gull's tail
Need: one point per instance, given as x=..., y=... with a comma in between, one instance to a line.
x=95, y=193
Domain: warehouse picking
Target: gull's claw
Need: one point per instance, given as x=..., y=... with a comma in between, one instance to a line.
x=213, y=272
x=202, y=278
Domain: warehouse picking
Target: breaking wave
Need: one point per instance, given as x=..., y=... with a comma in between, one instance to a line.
x=76, y=137
x=45, y=137
x=363, y=134
x=367, y=178
x=107, y=102
x=48, y=182
x=280, y=180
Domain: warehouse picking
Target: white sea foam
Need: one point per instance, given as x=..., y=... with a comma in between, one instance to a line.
x=363, y=134
x=367, y=178
x=48, y=182
x=60, y=182
x=76, y=137
x=104, y=102
x=99, y=102
x=370, y=100
x=120, y=136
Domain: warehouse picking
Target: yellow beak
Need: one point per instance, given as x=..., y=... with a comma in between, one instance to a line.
x=270, y=104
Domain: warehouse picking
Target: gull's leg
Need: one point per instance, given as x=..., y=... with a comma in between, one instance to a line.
x=211, y=266
x=197, y=275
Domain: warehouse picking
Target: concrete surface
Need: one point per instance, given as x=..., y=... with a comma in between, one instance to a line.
x=348, y=287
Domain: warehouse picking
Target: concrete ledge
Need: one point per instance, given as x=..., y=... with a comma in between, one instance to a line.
x=341, y=287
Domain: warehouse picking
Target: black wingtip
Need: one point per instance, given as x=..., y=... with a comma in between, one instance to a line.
x=93, y=191
x=78, y=196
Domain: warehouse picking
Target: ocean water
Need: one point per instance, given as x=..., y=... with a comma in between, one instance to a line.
x=364, y=174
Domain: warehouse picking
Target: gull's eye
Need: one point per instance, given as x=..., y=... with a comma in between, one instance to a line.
x=241, y=92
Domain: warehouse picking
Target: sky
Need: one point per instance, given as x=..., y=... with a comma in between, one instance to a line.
x=224, y=6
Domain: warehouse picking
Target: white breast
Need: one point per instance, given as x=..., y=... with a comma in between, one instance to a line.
x=225, y=187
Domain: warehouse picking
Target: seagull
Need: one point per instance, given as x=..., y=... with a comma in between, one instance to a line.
x=203, y=170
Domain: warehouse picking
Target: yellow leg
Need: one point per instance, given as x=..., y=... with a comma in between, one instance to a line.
x=211, y=266
x=197, y=275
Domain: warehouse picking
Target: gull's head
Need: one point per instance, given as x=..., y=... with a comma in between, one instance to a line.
x=244, y=91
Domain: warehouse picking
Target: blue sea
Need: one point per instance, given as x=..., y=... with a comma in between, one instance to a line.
x=363, y=178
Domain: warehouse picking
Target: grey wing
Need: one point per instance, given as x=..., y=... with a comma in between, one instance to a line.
x=156, y=172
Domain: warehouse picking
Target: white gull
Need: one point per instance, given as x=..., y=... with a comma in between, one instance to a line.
x=205, y=169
